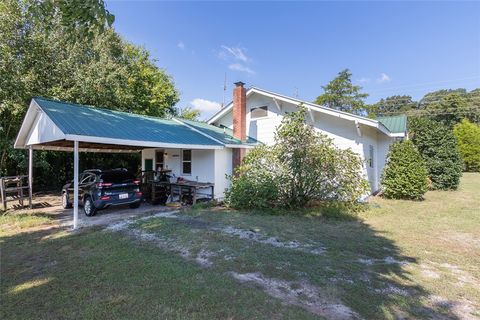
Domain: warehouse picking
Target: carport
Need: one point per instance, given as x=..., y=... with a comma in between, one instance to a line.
x=61, y=126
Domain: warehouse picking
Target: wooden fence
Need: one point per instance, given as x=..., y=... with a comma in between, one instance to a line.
x=15, y=188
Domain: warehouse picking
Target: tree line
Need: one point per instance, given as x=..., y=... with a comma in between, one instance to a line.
x=449, y=106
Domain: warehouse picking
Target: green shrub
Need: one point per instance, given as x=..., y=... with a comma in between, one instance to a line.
x=302, y=167
x=468, y=141
x=254, y=185
x=438, y=147
x=405, y=175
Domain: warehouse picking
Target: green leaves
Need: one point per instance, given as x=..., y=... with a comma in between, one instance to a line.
x=468, y=139
x=438, y=148
x=341, y=94
x=300, y=168
x=77, y=17
x=405, y=174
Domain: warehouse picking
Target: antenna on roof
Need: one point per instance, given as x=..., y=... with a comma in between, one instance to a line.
x=296, y=92
x=224, y=89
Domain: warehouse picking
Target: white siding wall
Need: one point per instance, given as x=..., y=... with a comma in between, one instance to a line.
x=223, y=166
x=343, y=132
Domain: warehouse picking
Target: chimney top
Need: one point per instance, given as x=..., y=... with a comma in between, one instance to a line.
x=239, y=84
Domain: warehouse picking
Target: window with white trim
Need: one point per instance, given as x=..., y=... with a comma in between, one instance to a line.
x=371, y=155
x=186, y=162
x=258, y=112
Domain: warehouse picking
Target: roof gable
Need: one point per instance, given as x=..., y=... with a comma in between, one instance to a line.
x=311, y=106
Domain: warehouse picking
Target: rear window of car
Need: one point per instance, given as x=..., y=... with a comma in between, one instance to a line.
x=117, y=177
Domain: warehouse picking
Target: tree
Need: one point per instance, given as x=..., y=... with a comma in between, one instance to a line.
x=302, y=166
x=341, y=94
x=436, y=96
x=468, y=139
x=450, y=109
x=392, y=104
x=405, y=174
x=438, y=148
x=188, y=113
x=102, y=70
x=452, y=105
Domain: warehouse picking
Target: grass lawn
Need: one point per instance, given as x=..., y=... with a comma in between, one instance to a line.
x=399, y=259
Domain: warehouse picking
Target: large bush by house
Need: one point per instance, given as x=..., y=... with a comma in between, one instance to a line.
x=255, y=185
x=468, y=140
x=438, y=148
x=405, y=175
x=302, y=166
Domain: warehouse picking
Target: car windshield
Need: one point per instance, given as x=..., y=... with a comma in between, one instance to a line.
x=117, y=177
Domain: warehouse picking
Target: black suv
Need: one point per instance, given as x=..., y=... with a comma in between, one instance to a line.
x=99, y=189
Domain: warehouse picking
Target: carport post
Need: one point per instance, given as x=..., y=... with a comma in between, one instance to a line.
x=30, y=175
x=75, y=184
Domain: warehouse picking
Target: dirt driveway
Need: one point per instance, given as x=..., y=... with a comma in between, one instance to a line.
x=50, y=204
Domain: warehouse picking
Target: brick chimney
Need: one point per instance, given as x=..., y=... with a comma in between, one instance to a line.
x=240, y=111
x=239, y=121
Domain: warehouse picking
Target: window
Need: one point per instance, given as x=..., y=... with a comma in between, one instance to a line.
x=159, y=160
x=371, y=155
x=186, y=161
x=258, y=112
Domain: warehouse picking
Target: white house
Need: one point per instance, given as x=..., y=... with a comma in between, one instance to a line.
x=199, y=151
x=264, y=110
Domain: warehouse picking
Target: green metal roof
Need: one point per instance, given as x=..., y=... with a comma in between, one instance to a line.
x=83, y=120
x=395, y=124
x=225, y=135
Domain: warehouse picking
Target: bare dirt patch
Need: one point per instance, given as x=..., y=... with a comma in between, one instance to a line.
x=386, y=260
x=462, y=310
x=273, y=241
x=299, y=293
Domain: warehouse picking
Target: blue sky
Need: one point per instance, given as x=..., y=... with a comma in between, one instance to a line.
x=296, y=47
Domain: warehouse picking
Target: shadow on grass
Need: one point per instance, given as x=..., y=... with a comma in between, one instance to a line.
x=58, y=274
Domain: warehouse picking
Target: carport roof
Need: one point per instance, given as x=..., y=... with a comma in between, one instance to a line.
x=99, y=126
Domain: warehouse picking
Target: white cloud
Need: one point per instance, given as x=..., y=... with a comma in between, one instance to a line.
x=181, y=45
x=237, y=59
x=383, y=78
x=240, y=67
x=236, y=53
x=364, y=80
x=206, y=107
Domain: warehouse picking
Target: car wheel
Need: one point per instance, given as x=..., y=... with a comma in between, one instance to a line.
x=88, y=207
x=65, y=202
x=134, y=205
